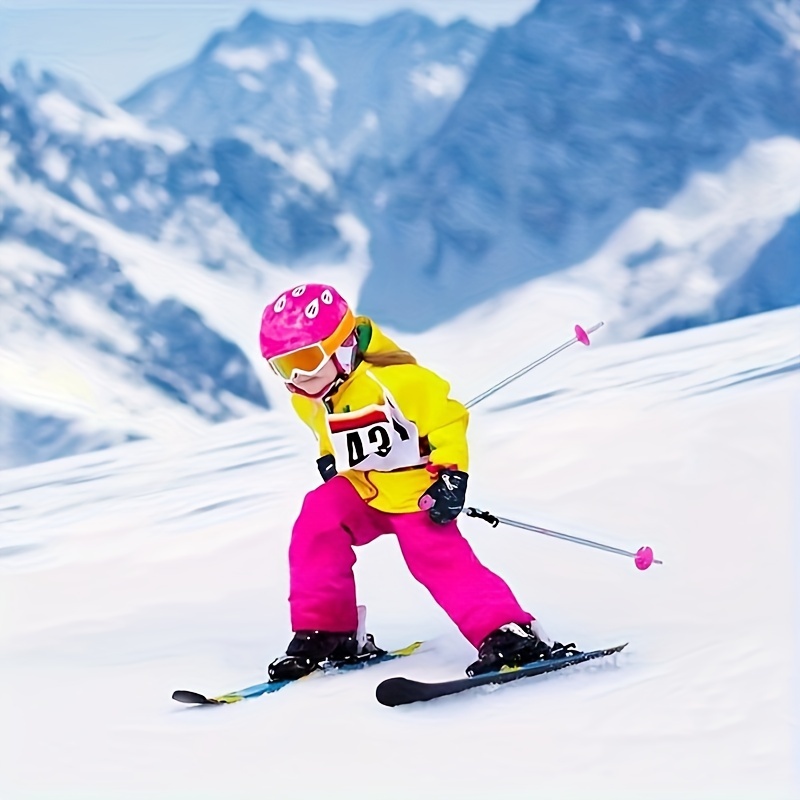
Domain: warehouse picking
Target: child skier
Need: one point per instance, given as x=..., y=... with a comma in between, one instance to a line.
x=391, y=443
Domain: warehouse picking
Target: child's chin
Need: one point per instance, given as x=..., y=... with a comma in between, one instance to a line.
x=306, y=390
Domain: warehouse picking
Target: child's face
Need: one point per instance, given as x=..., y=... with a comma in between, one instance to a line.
x=316, y=383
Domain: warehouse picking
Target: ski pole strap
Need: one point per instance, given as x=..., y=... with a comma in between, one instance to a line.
x=484, y=515
x=643, y=557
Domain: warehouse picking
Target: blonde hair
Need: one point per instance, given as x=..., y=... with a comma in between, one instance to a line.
x=389, y=359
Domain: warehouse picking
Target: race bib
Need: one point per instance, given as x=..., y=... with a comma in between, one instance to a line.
x=376, y=437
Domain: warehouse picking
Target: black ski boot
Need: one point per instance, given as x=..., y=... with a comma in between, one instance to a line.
x=309, y=650
x=515, y=645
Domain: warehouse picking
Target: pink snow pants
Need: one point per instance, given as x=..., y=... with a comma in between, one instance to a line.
x=334, y=518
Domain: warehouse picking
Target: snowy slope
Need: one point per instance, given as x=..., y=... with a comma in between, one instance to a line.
x=149, y=567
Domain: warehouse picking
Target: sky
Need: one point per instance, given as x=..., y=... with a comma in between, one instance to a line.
x=116, y=45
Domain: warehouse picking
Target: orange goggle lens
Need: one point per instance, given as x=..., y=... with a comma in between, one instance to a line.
x=310, y=360
x=306, y=361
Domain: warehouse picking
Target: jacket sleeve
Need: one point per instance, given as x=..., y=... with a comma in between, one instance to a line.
x=424, y=398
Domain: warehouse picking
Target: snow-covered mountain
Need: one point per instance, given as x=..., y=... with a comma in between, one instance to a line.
x=161, y=185
x=334, y=90
x=576, y=117
x=637, y=162
x=147, y=568
x=88, y=358
x=772, y=280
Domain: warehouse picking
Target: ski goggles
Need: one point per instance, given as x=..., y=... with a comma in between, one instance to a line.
x=309, y=360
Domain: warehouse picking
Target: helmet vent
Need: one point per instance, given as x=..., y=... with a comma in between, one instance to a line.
x=312, y=309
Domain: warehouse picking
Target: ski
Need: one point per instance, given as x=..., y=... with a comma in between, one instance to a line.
x=268, y=687
x=400, y=691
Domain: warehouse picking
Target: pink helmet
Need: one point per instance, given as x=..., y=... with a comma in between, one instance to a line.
x=303, y=328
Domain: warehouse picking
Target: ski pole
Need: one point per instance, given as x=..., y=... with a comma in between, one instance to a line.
x=643, y=557
x=581, y=336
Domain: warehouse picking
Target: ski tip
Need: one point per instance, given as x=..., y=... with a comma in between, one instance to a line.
x=393, y=691
x=193, y=698
x=407, y=651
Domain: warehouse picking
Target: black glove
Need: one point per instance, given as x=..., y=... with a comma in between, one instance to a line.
x=327, y=467
x=445, y=499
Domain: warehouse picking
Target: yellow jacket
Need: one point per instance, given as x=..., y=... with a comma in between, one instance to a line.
x=422, y=398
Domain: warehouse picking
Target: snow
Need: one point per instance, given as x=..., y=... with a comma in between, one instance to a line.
x=75, y=374
x=709, y=234
x=319, y=78
x=108, y=122
x=86, y=195
x=439, y=80
x=121, y=203
x=787, y=13
x=356, y=236
x=554, y=145
x=255, y=59
x=322, y=79
x=82, y=311
x=149, y=567
x=23, y=263
x=62, y=112
x=634, y=30
x=307, y=169
x=55, y=164
x=370, y=121
x=250, y=83
x=47, y=373
x=144, y=197
x=663, y=263
x=300, y=164
x=228, y=300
